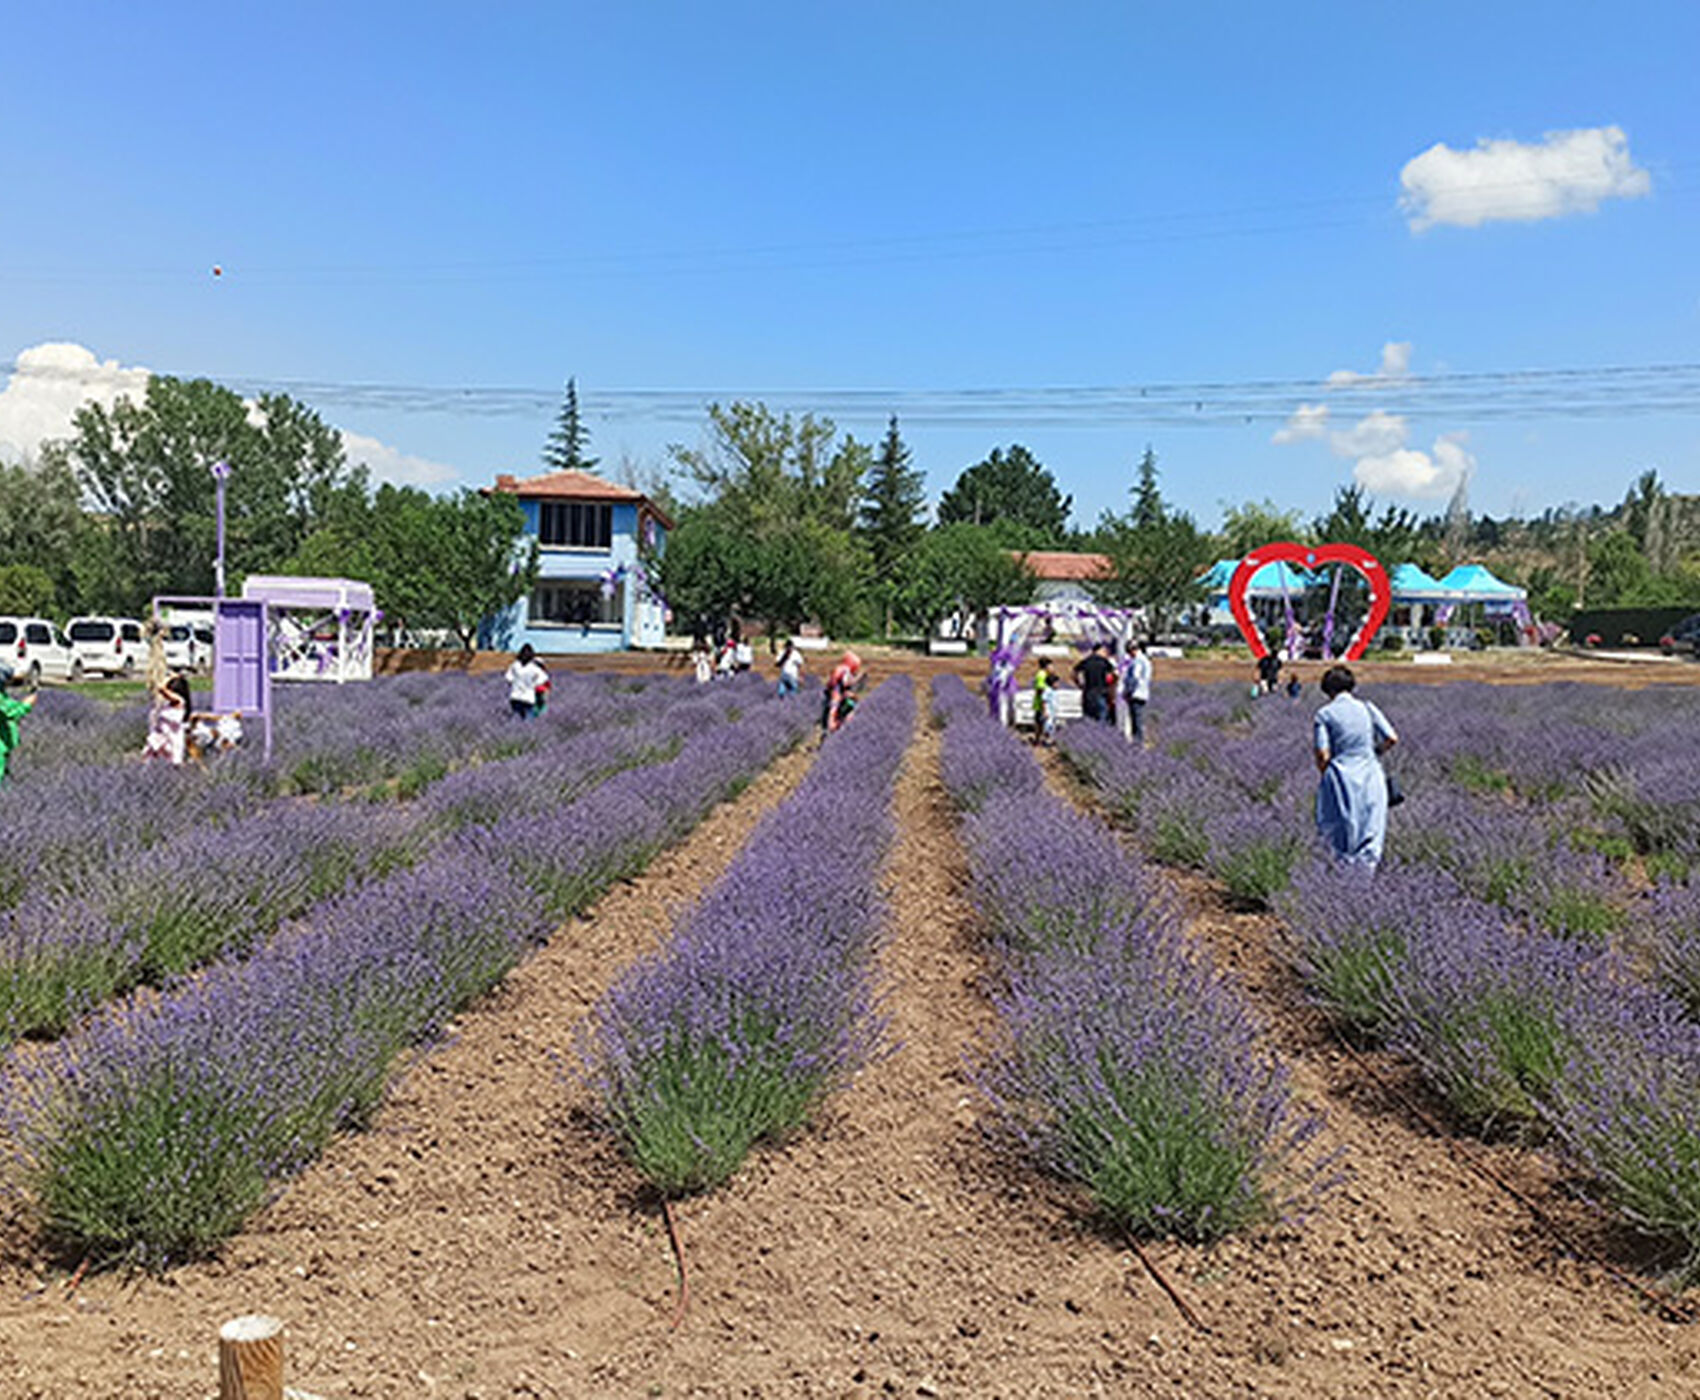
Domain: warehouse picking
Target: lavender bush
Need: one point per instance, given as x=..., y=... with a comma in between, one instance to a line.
x=145, y=914
x=1124, y=1062
x=1140, y=1077
x=1352, y=933
x=154, y=1134
x=762, y=1002
x=1670, y=937
x=1628, y=1113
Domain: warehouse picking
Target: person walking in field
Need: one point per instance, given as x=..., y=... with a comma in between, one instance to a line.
x=1045, y=704
x=1348, y=738
x=1136, y=688
x=790, y=669
x=526, y=679
x=1095, y=676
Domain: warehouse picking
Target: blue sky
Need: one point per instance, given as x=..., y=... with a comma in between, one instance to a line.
x=966, y=209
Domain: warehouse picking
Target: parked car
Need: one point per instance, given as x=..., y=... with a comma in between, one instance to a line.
x=37, y=650
x=188, y=647
x=113, y=646
x=1685, y=636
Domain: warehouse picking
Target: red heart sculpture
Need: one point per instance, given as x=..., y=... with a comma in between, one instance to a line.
x=1310, y=557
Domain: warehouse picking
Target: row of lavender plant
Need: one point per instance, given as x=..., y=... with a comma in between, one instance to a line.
x=762, y=1001
x=145, y=915
x=1463, y=953
x=1516, y=1027
x=1127, y=1063
x=154, y=1131
x=65, y=816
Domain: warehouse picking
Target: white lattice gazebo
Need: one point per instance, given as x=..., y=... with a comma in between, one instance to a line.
x=321, y=628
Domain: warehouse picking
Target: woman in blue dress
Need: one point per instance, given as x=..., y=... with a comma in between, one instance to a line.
x=1350, y=735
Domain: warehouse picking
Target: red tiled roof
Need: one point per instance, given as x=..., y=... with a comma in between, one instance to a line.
x=579, y=486
x=575, y=486
x=1059, y=566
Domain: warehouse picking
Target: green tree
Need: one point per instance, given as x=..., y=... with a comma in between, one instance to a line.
x=25, y=590
x=565, y=449
x=1156, y=554
x=709, y=568
x=891, y=528
x=1394, y=537
x=1618, y=572
x=962, y=567
x=40, y=521
x=448, y=561
x=772, y=537
x=145, y=468
x=1148, y=508
x=1013, y=493
x=1257, y=523
x=770, y=470
x=453, y=562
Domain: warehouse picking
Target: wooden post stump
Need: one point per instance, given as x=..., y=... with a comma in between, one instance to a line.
x=250, y=1358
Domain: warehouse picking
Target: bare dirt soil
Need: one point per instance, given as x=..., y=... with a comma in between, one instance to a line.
x=484, y=1239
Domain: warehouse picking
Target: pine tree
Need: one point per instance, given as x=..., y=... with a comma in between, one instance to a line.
x=1148, y=507
x=564, y=452
x=891, y=504
x=890, y=525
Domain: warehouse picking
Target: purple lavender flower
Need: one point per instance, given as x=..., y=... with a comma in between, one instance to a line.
x=763, y=1000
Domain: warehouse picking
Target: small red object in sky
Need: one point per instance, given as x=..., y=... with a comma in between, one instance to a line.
x=217, y=270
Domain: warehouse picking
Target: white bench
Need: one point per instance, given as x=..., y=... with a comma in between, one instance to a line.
x=1067, y=706
x=947, y=646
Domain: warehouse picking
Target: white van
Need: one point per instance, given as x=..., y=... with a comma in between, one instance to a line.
x=113, y=646
x=188, y=646
x=35, y=650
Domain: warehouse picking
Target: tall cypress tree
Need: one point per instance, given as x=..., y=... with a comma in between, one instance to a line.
x=564, y=452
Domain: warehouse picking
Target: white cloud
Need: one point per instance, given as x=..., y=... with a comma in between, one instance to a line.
x=1378, y=444
x=1415, y=475
x=48, y=384
x=51, y=382
x=393, y=465
x=1567, y=172
x=1373, y=435
x=1309, y=422
x=1395, y=364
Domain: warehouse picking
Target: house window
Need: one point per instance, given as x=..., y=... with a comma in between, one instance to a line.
x=575, y=525
x=580, y=603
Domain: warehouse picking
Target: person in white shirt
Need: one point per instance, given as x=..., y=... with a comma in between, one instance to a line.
x=525, y=678
x=790, y=669
x=1136, y=687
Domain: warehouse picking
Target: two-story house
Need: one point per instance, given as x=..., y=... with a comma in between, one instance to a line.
x=592, y=592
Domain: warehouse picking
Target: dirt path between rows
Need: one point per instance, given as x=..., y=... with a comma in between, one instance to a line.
x=485, y=1240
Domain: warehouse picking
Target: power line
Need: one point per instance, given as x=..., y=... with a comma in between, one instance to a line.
x=1599, y=392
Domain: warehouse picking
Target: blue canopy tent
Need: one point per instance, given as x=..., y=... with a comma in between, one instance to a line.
x=1473, y=584
x=1415, y=594
x=1410, y=584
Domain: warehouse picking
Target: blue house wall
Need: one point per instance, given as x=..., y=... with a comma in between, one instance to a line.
x=637, y=616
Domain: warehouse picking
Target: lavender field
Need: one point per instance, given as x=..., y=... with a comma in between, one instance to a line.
x=226, y=960
x=410, y=1034
x=1531, y=942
